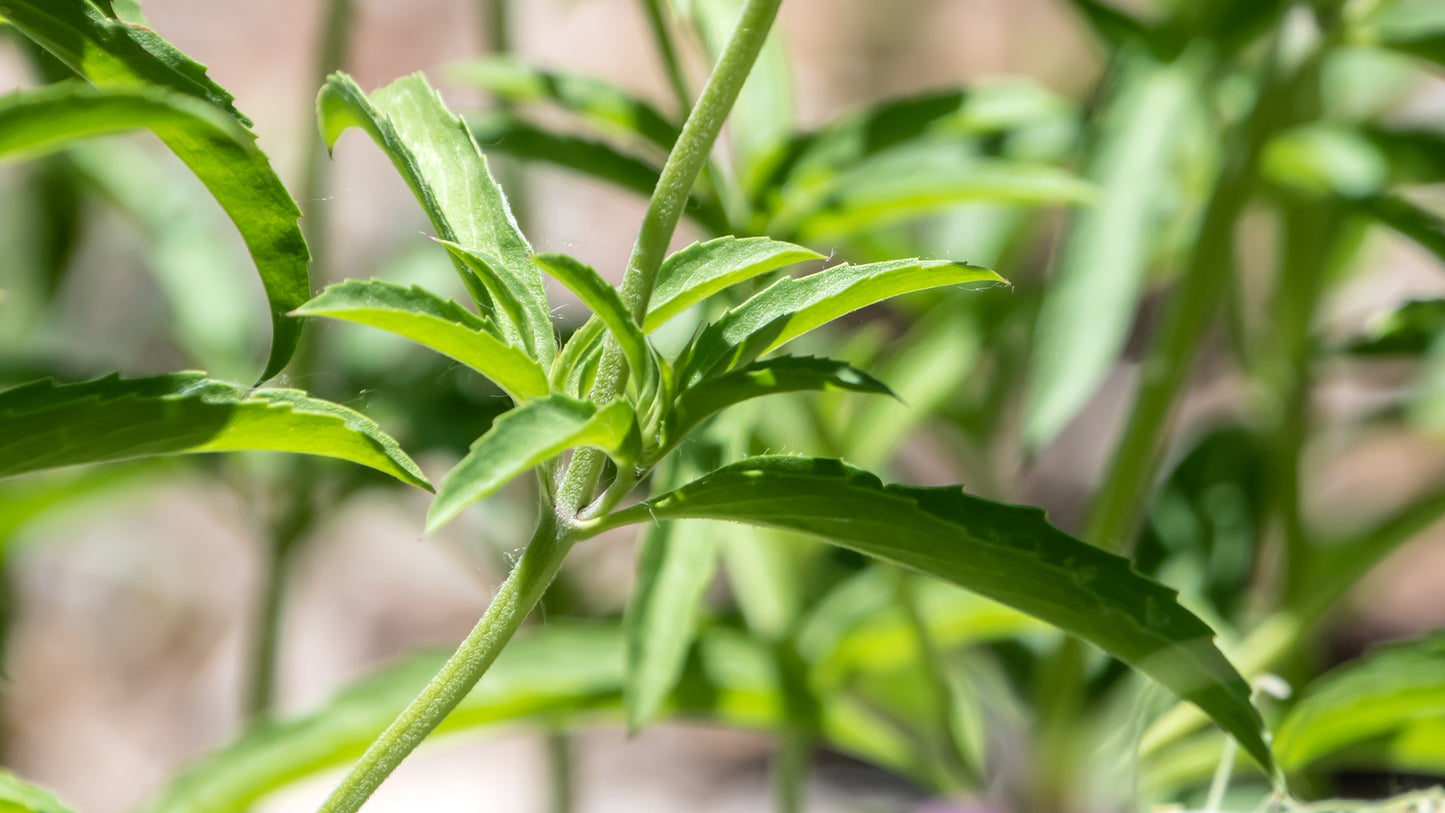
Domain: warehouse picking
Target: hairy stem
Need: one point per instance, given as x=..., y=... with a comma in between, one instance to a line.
x=514, y=601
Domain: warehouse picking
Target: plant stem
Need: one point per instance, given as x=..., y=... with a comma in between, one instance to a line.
x=514, y=601
x=286, y=532
x=559, y=772
x=331, y=56
x=667, y=53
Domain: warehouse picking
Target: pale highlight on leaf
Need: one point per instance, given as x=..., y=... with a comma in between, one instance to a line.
x=603, y=300
x=697, y=272
x=17, y=796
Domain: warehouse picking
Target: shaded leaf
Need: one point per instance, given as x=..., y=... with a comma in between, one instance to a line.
x=433, y=322
x=44, y=425
x=17, y=796
x=791, y=307
x=603, y=300
x=1410, y=329
x=1007, y=553
x=435, y=153
x=108, y=52
x=527, y=436
x=1424, y=227
x=695, y=273
x=1115, y=27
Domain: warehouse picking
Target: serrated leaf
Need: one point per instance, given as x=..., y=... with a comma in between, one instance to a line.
x=44, y=425
x=603, y=300
x=35, y=122
x=695, y=273
x=1410, y=329
x=1007, y=553
x=527, y=436
x=109, y=52
x=17, y=796
x=767, y=377
x=501, y=132
x=599, y=103
x=1088, y=310
x=1384, y=693
x=435, y=153
x=433, y=322
x=791, y=307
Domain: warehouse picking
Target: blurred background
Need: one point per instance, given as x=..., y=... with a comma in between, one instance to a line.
x=131, y=611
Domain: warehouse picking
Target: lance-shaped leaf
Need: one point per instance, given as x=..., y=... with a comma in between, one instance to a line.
x=435, y=153
x=109, y=51
x=431, y=321
x=600, y=103
x=501, y=132
x=766, y=377
x=1386, y=693
x=791, y=307
x=527, y=436
x=17, y=796
x=556, y=674
x=1408, y=330
x=1007, y=553
x=34, y=122
x=44, y=425
x=1417, y=29
x=697, y=272
x=1420, y=225
x=603, y=300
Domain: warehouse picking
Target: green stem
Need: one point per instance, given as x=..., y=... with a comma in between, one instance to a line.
x=331, y=56
x=286, y=532
x=662, y=37
x=514, y=601
x=511, y=177
x=559, y=772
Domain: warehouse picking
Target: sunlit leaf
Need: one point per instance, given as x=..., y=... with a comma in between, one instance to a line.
x=17, y=796
x=695, y=273
x=435, y=153
x=431, y=321
x=603, y=300
x=1007, y=553
x=110, y=52
x=527, y=436
x=44, y=425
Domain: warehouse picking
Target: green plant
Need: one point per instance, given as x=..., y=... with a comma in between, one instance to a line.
x=606, y=413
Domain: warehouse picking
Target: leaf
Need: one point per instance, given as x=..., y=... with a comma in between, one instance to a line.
x=501, y=132
x=1327, y=159
x=1422, y=226
x=435, y=153
x=1409, y=330
x=556, y=674
x=35, y=122
x=17, y=796
x=1113, y=26
x=603, y=300
x=1417, y=30
x=431, y=321
x=695, y=273
x=1006, y=553
x=527, y=436
x=1088, y=310
x=783, y=374
x=44, y=425
x=1380, y=695
x=791, y=307
x=111, y=52
x=599, y=103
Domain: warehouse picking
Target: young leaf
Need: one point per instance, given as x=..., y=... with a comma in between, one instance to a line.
x=527, y=436
x=602, y=104
x=435, y=153
x=783, y=374
x=603, y=300
x=44, y=425
x=431, y=321
x=1383, y=694
x=791, y=307
x=34, y=122
x=1007, y=553
x=702, y=269
x=108, y=52
x=22, y=797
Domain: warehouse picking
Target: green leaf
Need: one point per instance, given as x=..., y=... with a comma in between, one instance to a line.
x=431, y=321
x=767, y=377
x=1007, y=553
x=1415, y=156
x=527, y=436
x=435, y=153
x=1416, y=29
x=1327, y=159
x=1424, y=227
x=17, y=796
x=44, y=425
x=1409, y=330
x=35, y=122
x=791, y=307
x=599, y=103
x=1380, y=695
x=502, y=132
x=697, y=272
x=1113, y=26
x=603, y=300
x=1088, y=310
x=109, y=52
